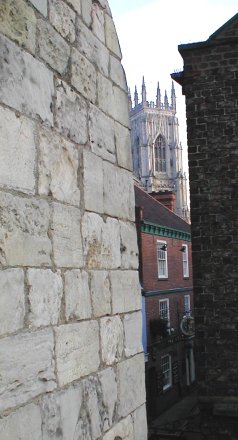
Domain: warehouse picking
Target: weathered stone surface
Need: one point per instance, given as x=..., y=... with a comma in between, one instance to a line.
x=77, y=295
x=62, y=17
x=118, y=181
x=17, y=152
x=111, y=36
x=133, y=333
x=140, y=423
x=123, y=147
x=122, y=430
x=131, y=384
x=112, y=339
x=117, y=73
x=121, y=109
x=86, y=12
x=101, y=242
x=61, y=414
x=98, y=22
x=27, y=367
x=25, y=424
x=77, y=350
x=18, y=22
x=41, y=6
x=126, y=292
x=67, y=243
x=83, y=76
x=101, y=134
x=71, y=113
x=106, y=99
x=33, y=82
x=93, y=408
x=91, y=47
x=24, y=228
x=93, y=182
x=45, y=295
x=104, y=4
x=129, y=246
x=58, y=168
x=52, y=47
x=12, y=300
x=100, y=292
x=108, y=385
x=76, y=5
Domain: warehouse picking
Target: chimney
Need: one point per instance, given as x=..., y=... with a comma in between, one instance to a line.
x=167, y=198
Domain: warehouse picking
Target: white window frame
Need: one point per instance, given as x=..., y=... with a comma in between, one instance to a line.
x=162, y=315
x=185, y=261
x=162, y=260
x=166, y=369
x=187, y=305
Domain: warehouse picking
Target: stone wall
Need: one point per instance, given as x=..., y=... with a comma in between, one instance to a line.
x=71, y=361
x=209, y=82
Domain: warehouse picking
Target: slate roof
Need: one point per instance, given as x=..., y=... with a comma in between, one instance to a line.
x=155, y=212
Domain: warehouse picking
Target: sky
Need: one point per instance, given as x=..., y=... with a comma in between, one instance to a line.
x=149, y=33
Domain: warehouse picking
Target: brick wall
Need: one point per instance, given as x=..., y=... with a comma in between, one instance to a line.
x=71, y=358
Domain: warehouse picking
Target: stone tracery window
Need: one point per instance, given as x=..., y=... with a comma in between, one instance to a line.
x=160, y=156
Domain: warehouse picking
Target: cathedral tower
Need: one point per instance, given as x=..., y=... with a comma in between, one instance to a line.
x=156, y=150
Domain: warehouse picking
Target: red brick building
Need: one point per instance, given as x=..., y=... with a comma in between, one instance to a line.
x=166, y=278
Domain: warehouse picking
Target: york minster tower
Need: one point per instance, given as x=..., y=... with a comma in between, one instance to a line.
x=156, y=150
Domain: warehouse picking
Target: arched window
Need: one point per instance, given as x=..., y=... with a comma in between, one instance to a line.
x=160, y=158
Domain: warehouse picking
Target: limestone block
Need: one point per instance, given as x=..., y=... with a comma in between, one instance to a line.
x=119, y=199
x=121, y=109
x=101, y=242
x=112, y=339
x=123, y=147
x=111, y=36
x=70, y=113
x=52, y=47
x=89, y=45
x=129, y=246
x=98, y=22
x=122, y=430
x=25, y=424
x=108, y=384
x=61, y=413
x=67, y=243
x=131, y=384
x=87, y=12
x=58, y=168
x=117, y=73
x=133, y=333
x=45, y=295
x=62, y=17
x=93, y=182
x=101, y=134
x=18, y=22
x=100, y=292
x=126, y=292
x=83, y=76
x=140, y=423
x=12, y=300
x=77, y=295
x=41, y=6
x=76, y=4
x=93, y=407
x=106, y=99
x=24, y=228
x=33, y=82
x=17, y=152
x=27, y=367
x=77, y=350
x=104, y=4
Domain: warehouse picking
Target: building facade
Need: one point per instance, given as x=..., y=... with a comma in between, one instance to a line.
x=166, y=278
x=156, y=150
x=210, y=84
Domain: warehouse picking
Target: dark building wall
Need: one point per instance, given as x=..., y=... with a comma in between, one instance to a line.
x=210, y=83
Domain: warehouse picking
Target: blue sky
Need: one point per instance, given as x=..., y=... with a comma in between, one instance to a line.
x=150, y=31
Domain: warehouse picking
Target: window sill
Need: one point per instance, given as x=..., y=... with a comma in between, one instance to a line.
x=167, y=388
x=163, y=279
